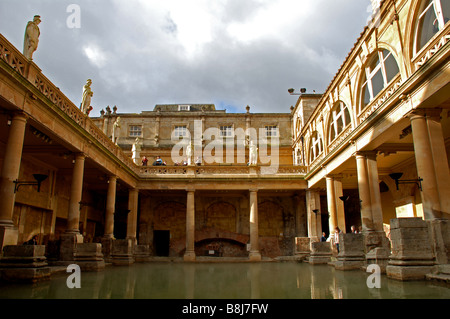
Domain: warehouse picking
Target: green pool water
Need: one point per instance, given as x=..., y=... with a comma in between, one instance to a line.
x=281, y=280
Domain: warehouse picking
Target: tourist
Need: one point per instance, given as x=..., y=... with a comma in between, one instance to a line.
x=158, y=161
x=144, y=161
x=336, y=238
x=32, y=241
x=354, y=230
x=324, y=237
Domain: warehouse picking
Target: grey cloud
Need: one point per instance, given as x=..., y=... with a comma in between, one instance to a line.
x=146, y=66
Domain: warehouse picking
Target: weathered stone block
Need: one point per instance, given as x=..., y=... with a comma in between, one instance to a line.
x=122, y=252
x=351, y=255
x=24, y=263
x=412, y=256
x=141, y=253
x=409, y=222
x=89, y=257
x=302, y=245
x=24, y=256
x=320, y=253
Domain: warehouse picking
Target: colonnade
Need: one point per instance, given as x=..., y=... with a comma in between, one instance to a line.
x=432, y=168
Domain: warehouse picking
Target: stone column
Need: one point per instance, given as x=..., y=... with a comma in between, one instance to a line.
x=340, y=212
x=76, y=190
x=72, y=236
x=110, y=207
x=374, y=187
x=426, y=165
x=189, y=255
x=254, y=254
x=314, y=220
x=133, y=195
x=364, y=192
x=9, y=173
x=371, y=210
x=331, y=202
x=108, y=236
x=442, y=171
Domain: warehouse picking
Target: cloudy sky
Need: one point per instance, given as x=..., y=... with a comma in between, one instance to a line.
x=232, y=53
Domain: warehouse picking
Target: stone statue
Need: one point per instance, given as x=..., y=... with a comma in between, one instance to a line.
x=115, y=126
x=253, y=154
x=136, y=150
x=31, y=39
x=189, y=153
x=86, y=99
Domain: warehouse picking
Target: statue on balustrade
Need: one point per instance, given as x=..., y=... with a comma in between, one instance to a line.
x=253, y=154
x=31, y=39
x=85, y=106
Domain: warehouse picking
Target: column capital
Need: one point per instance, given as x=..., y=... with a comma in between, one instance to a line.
x=434, y=113
x=80, y=156
x=19, y=115
x=253, y=190
x=371, y=154
x=190, y=189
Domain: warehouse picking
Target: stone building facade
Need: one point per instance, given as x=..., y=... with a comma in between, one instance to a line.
x=373, y=147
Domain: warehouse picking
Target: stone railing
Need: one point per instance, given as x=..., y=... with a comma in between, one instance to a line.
x=221, y=171
x=12, y=56
x=31, y=72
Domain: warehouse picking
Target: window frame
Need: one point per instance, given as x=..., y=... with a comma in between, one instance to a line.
x=315, y=141
x=177, y=130
x=369, y=75
x=438, y=14
x=334, y=117
x=228, y=129
x=131, y=132
x=273, y=128
x=184, y=108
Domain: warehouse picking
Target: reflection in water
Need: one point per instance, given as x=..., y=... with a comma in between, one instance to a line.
x=286, y=280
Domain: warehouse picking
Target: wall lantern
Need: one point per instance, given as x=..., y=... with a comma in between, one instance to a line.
x=39, y=179
x=396, y=177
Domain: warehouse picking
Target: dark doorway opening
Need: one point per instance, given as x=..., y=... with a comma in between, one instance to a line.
x=161, y=242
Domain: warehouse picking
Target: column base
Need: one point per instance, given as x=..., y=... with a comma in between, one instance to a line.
x=8, y=236
x=254, y=256
x=69, y=241
x=189, y=256
x=107, y=247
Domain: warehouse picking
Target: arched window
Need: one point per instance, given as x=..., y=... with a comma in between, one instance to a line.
x=378, y=73
x=339, y=120
x=316, y=147
x=434, y=14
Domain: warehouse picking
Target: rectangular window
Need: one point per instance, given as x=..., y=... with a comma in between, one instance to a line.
x=271, y=131
x=226, y=131
x=135, y=131
x=184, y=107
x=180, y=131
